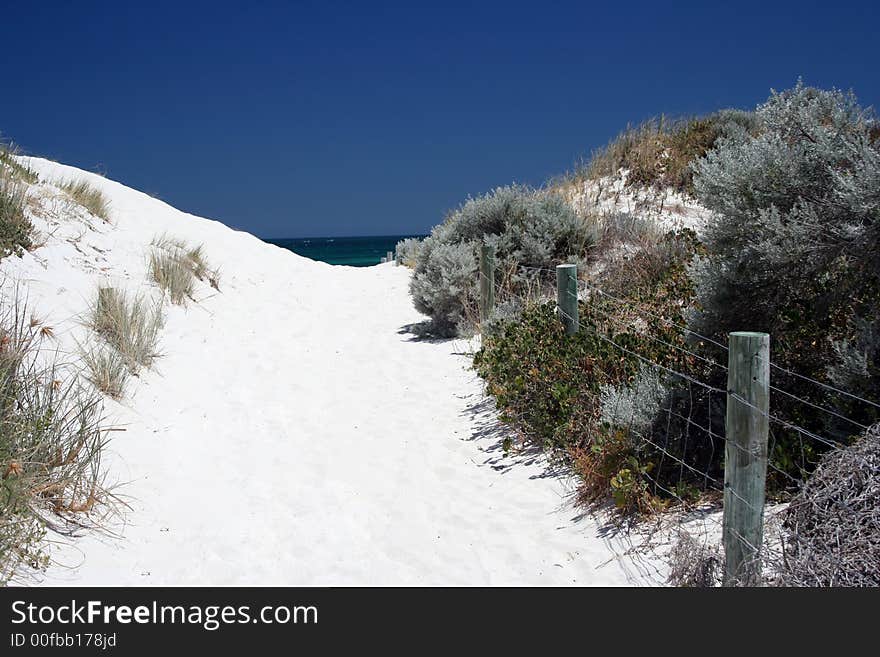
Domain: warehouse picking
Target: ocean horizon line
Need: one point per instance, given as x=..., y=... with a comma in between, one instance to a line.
x=354, y=251
x=345, y=237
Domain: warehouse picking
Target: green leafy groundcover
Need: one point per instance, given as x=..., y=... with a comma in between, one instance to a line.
x=549, y=386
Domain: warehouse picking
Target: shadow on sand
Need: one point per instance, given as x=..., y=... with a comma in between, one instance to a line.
x=487, y=429
x=423, y=332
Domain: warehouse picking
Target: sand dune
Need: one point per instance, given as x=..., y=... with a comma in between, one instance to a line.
x=293, y=432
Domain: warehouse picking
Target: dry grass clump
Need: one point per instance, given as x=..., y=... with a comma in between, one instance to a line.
x=8, y=152
x=694, y=564
x=175, y=266
x=51, y=440
x=15, y=228
x=173, y=275
x=638, y=149
x=130, y=330
x=168, y=243
x=107, y=370
x=91, y=198
x=660, y=151
x=131, y=326
x=832, y=526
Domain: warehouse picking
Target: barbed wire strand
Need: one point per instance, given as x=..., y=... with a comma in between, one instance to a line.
x=775, y=366
x=607, y=315
x=731, y=393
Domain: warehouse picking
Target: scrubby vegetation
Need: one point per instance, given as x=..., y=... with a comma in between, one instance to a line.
x=793, y=251
x=587, y=400
x=8, y=153
x=15, y=228
x=175, y=266
x=832, y=526
x=88, y=196
x=827, y=535
x=791, y=248
x=51, y=437
x=694, y=564
x=660, y=152
x=526, y=227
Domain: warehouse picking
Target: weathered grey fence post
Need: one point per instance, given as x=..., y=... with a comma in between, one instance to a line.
x=566, y=297
x=487, y=281
x=389, y=256
x=745, y=456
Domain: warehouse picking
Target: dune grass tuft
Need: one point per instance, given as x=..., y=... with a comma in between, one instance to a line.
x=175, y=266
x=8, y=153
x=51, y=439
x=15, y=228
x=107, y=370
x=130, y=326
x=173, y=275
x=91, y=198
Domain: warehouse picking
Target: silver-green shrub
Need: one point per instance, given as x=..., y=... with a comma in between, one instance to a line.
x=793, y=248
x=636, y=404
x=443, y=285
x=407, y=251
x=504, y=313
x=788, y=202
x=535, y=228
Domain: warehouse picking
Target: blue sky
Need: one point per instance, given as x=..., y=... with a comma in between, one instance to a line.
x=294, y=119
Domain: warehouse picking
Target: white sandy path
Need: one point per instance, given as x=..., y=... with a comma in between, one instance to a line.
x=292, y=434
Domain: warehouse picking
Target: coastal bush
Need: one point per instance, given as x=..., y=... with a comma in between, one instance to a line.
x=88, y=196
x=51, y=440
x=130, y=326
x=407, y=251
x=15, y=228
x=792, y=250
x=588, y=398
x=660, y=152
x=443, y=286
x=526, y=227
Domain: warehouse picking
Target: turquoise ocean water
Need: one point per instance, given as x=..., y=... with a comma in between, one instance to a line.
x=354, y=251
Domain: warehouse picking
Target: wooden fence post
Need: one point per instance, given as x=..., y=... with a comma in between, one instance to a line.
x=745, y=456
x=389, y=256
x=487, y=281
x=566, y=297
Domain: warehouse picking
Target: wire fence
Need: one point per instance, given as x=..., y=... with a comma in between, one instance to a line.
x=700, y=415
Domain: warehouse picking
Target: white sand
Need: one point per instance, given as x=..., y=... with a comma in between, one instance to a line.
x=608, y=196
x=292, y=433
